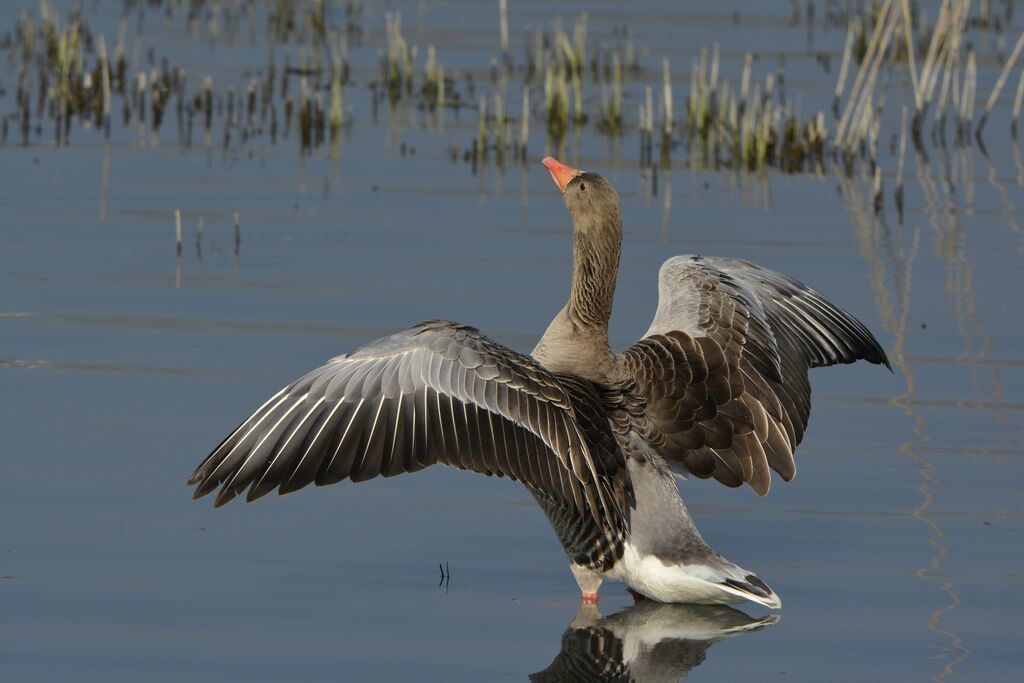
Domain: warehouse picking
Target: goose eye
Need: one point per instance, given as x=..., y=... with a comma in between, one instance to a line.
x=583, y=187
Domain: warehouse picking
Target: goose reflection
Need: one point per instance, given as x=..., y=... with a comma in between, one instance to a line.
x=649, y=641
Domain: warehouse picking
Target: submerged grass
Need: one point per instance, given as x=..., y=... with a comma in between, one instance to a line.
x=572, y=79
x=753, y=130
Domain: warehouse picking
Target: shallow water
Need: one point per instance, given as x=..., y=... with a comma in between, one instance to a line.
x=895, y=550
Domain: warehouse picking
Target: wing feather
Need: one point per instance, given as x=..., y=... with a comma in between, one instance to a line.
x=724, y=364
x=438, y=392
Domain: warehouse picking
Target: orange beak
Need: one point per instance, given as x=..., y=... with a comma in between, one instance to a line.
x=560, y=173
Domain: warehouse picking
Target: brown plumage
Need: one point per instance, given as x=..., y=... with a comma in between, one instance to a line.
x=717, y=387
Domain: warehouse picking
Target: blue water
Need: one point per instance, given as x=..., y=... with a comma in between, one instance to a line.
x=895, y=550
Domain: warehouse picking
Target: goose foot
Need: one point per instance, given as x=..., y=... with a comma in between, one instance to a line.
x=589, y=597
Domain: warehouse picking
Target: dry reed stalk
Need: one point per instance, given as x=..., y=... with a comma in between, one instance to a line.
x=481, y=134
x=951, y=75
x=337, y=113
x=199, y=238
x=903, y=150
x=503, y=22
x=646, y=124
x=430, y=66
x=524, y=123
x=948, y=77
x=862, y=106
x=499, y=126
x=101, y=53
x=177, y=231
x=843, y=68
x=1018, y=100
x=908, y=38
x=1001, y=81
x=579, y=43
x=648, y=121
x=932, y=64
x=440, y=89
x=866, y=74
x=724, y=100
x=538, y=51
x=666, y=95
x=579, y=113
x=876, y=185
x=967, y=94
x=745, y=81
x=713, y=80
x=898, y=194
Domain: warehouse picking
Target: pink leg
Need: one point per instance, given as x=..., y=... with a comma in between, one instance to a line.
x=588, y=580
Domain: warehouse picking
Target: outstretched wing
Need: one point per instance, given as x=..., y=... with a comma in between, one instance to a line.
x=435, y=393
x=724, y=366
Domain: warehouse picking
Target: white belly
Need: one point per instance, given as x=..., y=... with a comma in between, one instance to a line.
x=691, y=583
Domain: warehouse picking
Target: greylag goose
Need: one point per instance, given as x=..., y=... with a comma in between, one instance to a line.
x=716, y=388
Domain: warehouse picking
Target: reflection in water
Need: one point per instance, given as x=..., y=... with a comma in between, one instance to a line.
x=649, y=641
x=1009, y=213
x=666, y=205
x=876, y=239
x=104, y=183
x=944, y=215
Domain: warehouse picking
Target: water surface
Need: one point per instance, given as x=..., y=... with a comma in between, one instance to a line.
x=895, y=550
